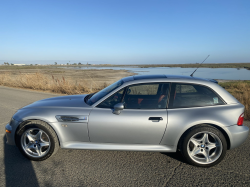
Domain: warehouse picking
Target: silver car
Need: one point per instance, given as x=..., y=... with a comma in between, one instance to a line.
x=162, y=113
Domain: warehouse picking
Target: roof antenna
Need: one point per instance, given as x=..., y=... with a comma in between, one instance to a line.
x=199, y=66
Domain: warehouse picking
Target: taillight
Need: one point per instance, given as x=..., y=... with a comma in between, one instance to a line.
x=240, y=120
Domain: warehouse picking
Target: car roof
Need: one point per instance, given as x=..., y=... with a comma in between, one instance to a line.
x=140, y=77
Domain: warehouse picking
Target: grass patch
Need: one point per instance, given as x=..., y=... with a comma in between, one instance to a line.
x=39, y=81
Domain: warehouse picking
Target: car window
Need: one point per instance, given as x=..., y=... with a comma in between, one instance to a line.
x=191, y=95
x=97, y=96
x=144, y=89
x=182, y=88
x=111, y=101
x=146, y=96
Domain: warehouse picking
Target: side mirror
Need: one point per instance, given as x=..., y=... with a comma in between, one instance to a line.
x=117, y=108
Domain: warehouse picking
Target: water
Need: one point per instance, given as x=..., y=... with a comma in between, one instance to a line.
x=212, y=73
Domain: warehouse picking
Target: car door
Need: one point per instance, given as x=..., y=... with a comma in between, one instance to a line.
x=142, y=121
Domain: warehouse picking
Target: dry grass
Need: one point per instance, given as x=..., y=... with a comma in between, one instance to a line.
x=241, y=91
x=39, y=81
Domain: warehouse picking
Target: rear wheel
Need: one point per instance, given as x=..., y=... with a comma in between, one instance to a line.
x=37, y=140
x=203, y=146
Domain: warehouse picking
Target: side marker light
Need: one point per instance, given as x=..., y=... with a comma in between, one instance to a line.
x=7, y=131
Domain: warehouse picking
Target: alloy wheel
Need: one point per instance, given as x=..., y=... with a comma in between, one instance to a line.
x=204, y=147
x=35, y=142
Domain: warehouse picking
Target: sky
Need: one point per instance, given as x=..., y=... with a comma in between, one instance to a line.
x=124, y=31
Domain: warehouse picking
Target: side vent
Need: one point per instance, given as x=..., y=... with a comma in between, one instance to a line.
x=74, y=118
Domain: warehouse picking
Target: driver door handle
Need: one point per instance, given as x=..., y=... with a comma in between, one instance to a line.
x=155, y=118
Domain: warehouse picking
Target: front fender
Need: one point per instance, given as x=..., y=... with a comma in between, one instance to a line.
x=64, y=132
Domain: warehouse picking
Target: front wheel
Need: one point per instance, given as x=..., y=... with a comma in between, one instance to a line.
x=37, y=140
x=203, y=146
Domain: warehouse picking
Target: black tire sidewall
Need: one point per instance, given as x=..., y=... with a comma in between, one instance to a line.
x=30, y=126
x=194, y=130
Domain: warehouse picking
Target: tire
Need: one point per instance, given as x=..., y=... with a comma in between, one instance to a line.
x=37, y=140
x=203, y=146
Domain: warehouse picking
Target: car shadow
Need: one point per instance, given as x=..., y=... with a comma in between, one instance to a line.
x=177, y=156
x=18, y=170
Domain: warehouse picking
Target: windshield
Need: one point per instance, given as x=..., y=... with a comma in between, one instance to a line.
x=97, y=96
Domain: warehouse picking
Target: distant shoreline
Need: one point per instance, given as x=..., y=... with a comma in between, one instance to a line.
x=218, y=65
x=222, y=65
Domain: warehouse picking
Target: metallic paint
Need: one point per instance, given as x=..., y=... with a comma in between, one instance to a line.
x=131, y=129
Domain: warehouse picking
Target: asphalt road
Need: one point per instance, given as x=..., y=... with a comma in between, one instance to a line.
x=109, y=168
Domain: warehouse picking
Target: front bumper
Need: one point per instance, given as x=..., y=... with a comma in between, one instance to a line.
x=10, y=136
x=11, y=131
x=237, y=135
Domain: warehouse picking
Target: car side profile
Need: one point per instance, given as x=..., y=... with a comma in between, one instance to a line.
x=161, y=113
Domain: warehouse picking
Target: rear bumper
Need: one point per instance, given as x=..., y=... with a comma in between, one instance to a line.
x=237, y=135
